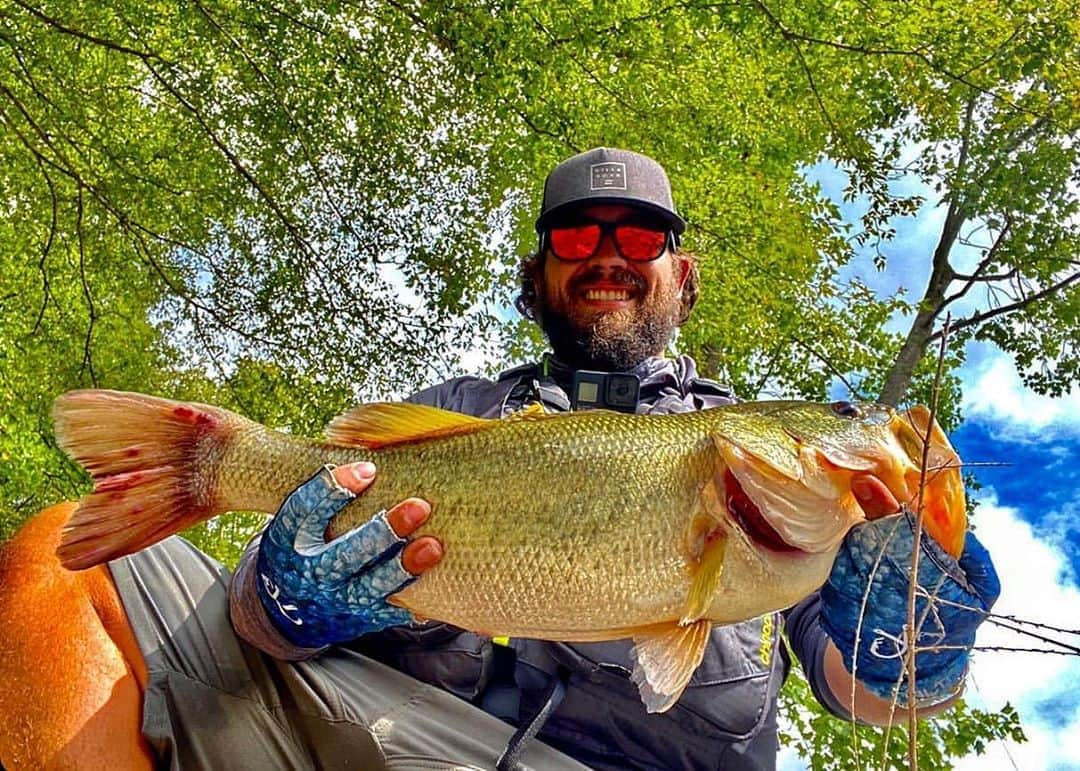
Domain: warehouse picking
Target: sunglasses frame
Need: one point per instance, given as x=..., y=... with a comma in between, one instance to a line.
x=671, y=240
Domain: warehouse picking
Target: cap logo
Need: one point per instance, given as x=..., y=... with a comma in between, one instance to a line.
x=608, y=176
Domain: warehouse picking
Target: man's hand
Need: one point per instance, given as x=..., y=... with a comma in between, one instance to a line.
x=873, y=496
x=953, y=597
x=319, y=593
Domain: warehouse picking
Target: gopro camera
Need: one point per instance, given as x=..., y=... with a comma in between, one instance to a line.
x=605, y=391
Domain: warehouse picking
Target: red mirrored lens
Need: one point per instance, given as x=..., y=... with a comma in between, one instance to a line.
x=638, y=243
x=576, y=243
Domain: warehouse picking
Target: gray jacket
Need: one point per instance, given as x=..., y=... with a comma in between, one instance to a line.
x=726, y=718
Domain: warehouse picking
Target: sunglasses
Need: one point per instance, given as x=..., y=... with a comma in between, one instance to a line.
x=633, y=242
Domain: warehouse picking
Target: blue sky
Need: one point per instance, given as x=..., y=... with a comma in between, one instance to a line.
x=1040, y=478
x=1028, y=514
x=1029, y=518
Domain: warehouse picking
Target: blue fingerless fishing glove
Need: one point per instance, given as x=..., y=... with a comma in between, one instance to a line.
x=953, y=597
x=319, y=593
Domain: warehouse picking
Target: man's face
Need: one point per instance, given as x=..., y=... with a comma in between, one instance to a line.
x=607, y=312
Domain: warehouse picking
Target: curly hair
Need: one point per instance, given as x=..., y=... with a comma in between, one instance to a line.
x=526, y=299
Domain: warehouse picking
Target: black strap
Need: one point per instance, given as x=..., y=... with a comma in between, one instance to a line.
x=502, y=697
x=508, y=761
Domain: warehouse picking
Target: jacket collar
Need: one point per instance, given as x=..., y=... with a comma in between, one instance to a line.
x=658, y=375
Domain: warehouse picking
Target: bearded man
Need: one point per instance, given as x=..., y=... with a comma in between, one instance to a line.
x=328, y=674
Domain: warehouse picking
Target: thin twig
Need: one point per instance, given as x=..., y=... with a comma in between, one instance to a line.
x=1008, y=649
x=910, y=628
x=88, y=358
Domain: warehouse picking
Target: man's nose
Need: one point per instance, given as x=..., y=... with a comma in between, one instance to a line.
x=606, y=251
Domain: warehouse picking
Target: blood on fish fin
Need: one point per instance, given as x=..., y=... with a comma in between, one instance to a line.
x=384, y=424
x=665, y=660
x=141, y=452
x=706, y=573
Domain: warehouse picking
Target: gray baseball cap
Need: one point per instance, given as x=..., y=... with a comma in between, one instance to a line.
x=607, y=175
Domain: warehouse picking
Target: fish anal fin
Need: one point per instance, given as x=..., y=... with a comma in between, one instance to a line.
x=383, y=424
x=665, y=660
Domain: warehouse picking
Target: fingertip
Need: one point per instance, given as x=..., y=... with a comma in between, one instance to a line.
x=408, y=515
x=355, y=477
x=422, y=554
x=873, y=496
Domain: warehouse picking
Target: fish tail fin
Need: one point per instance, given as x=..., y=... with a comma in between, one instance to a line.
x=153, y=462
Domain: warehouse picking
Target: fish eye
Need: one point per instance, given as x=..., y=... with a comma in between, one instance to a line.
x=847, y=410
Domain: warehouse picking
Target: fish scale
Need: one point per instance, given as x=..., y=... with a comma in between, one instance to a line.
x=583, y=526
x=507, y=566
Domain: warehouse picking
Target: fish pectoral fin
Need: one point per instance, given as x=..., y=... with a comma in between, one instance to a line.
x=665, y=660
x=383, y=424
x=707, y=569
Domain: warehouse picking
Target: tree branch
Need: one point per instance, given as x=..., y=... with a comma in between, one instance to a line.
x=291, y=228
x=839, y=375
x=88, y=358
x=46, y=291
x=630, y=108
x=313, y=162
x=100, y=41
x=979, y=318
x=933, y=300
x=1002, y=155
x=660, y=13
x=864, y=50
x=984, y=264
x=792, y=38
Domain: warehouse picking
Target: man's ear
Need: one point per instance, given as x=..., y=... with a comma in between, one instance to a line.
x=682, y=268
x=536, y=273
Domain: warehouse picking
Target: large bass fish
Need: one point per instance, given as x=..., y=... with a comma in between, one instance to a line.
x=581, y=526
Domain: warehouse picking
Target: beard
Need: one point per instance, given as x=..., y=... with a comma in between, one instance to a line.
x=612, y=341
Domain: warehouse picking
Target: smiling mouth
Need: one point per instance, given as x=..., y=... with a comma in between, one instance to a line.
x=607, y=295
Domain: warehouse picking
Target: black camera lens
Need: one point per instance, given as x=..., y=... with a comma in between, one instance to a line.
x=622, y=390
x=604, y=390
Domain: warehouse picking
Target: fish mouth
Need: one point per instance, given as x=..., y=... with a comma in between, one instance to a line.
x=793, y=492
x=940, y=491
x=750, y=519
x=804, y=509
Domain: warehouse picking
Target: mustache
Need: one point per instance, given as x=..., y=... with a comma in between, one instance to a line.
x=615, y=275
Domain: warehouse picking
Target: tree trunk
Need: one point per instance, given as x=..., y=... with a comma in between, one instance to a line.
x=930, y=307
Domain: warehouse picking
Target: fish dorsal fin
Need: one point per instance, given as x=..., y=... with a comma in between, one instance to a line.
x=664, y=661
x=383, y=424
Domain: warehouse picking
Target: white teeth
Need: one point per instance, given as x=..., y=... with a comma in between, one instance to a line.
x=607, y=294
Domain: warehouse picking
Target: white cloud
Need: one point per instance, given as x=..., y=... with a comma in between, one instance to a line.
x=1044, y=688
x=993, y=391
